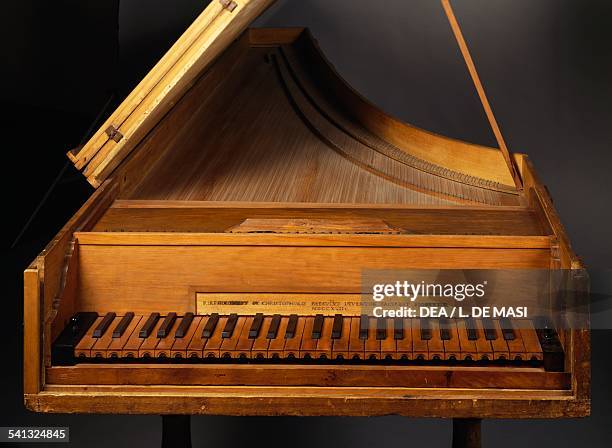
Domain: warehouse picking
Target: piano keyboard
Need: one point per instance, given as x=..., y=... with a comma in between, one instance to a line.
x=324, y=339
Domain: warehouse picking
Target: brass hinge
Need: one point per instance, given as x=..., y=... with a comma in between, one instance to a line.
x=114, y=134
x=230, y=5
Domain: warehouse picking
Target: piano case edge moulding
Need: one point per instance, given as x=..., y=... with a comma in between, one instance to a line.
x=341, y=186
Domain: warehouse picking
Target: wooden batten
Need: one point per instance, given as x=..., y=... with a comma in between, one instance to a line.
x=303, y=376
x=313, y=240
x=308, y=401
x=213, y=217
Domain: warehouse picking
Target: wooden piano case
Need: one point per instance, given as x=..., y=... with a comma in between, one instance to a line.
x=244, y=165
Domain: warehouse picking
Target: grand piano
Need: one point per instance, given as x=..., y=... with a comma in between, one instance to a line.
x=241, y=190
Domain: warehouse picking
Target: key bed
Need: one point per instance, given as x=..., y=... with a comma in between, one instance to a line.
x=157, y=338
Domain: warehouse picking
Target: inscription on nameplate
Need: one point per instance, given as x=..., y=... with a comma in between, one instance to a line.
x=284, y=304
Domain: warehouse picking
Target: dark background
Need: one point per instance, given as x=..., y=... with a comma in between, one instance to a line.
x=547, y=68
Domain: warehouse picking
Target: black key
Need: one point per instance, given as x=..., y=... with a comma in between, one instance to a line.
x=229, y=326
x=470, y=326
x=256, y=326
x=123, y=325
x=166, y=325
x=317, y=327
x=62, y=350
x=181, y=331
x=381, y=329
x=545, y=326
x=507, y=329
x=364, y=322
x=291, y=326
x=273, y=330
x=552, y=350
x=210, y=326
x=445, y=333
x=337, y=327
x=103, y=326
x=489, y=329
x=398, y=328
x=425, y=329
x=147, y=328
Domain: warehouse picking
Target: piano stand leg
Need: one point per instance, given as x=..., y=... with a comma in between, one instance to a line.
x=176, y=431
x=466, y=433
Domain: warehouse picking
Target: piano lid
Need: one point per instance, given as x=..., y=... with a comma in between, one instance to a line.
x=282, y=127
x=209, y=35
